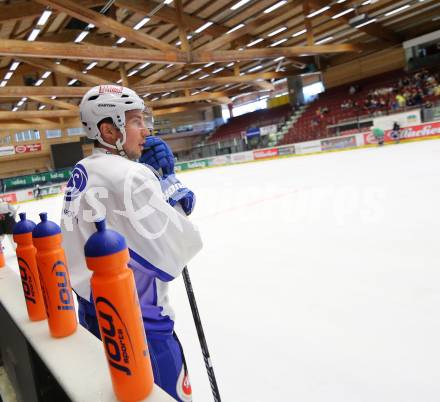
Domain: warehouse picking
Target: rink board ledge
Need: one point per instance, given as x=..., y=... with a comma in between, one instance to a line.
x=77, y=362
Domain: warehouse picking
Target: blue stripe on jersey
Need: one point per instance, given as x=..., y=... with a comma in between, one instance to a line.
x=137, y=260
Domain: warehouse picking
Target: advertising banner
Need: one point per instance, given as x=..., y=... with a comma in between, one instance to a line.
x=289, y=150
x=9, y=197
x=10, y=150
x=338, y=143
x=308, y=147
x=30, y=180
x=242, y=157
x=422, y=130
x=265, y=130
x=265, y=153
x=21, y=149
x=221, y=160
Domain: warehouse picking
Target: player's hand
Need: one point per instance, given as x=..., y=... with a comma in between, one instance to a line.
x=175, y=192
x=158, y=155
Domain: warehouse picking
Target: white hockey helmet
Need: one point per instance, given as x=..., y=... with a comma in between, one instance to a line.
x=110, y=101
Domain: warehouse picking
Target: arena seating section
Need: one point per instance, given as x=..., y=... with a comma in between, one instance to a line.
x=237, y=125
x=313, y=123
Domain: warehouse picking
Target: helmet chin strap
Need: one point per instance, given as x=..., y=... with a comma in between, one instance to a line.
x=119, y=147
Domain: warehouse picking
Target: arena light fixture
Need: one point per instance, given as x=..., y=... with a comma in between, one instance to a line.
x=91, y=65
x=250, y=44
x=317, y=12
x=349, y=10
x=195, y=71
x=279, y=58
x=203, y=27
x=120, y=40
x=254, y=69
x=167, y=1
x=217, y=70
x=72, y=81
x=204, y=76
x=14, y=65
x=141, y=23
x=46, y=74
x=397, y=10
x=81, y=36
x=33, y=35
x=39, y=82
x=324, y=40
x=44, y=17
x=209, y=64
x=303, y=31
x=230, y=64
x=41, y=107
x=239, y=4
x=15, y=109
x=341, y=1
x=236, y=28
x=275, y=6
x=182, y=77
x=366, y=23
x=277, y=31
x=144, y=65
x=53, y=97
x=278, y=42
x=8, y=75
x=132, y=72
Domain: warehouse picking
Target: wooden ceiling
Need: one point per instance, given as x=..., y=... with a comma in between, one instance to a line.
x=177, y=52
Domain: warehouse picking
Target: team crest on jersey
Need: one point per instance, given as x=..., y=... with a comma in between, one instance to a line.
x=183, y=387
x=77, y=182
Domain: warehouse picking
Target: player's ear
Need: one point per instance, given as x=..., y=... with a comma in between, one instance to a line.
x=108, y=132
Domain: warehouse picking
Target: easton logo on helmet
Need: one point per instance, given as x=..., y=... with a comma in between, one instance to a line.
x=106, y=105
x=110, y=89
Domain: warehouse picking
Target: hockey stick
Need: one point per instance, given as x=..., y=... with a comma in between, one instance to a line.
x=201, y=335
x=196, y=316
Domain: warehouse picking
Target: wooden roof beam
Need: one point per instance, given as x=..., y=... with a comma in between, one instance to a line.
x=263, y=53
x=186, y=99
x=53, y=102
x=17, y=48
x=374, y=29
x=64, y=70
x=188, y=84
x=107, y=24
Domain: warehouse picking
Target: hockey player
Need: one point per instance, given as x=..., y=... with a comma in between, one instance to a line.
x=161, y=240
x=395, y=132
x=379, y=135
x=8, y=214
x=37, y=192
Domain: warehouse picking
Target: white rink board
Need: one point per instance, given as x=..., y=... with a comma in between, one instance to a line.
x=77, y=362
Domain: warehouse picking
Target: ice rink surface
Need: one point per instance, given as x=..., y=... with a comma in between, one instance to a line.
x=319, y=280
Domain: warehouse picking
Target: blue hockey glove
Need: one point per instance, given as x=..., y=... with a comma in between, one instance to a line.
x=158, y=155
x=175, y=192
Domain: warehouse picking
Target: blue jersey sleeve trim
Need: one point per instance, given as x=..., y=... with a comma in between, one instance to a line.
x=163, y=276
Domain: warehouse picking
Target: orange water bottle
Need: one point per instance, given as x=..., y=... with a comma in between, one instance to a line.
x=2, y=256
x=30, y=278
x=54, y=278
x=119, y=314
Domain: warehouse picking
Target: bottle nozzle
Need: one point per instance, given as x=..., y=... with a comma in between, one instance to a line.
x=22, y=216
x=43, y=216
x=100, y=225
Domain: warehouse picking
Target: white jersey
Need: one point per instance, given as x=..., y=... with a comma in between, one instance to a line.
x=6, y=208
x=161, y=241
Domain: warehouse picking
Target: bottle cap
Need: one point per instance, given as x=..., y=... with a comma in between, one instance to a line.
x=104, y=242
x=45, y=227
x=23, y=225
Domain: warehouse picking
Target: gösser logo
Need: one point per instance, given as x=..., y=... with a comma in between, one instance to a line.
x=114, y=335
x=63, y=285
